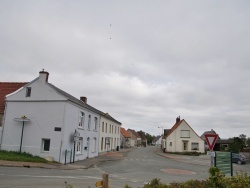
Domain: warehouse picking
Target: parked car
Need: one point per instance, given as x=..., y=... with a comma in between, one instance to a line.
x=238, y=158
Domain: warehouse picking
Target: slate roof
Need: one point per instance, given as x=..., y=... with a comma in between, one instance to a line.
x=209, y=132
x=7, y=88
x=125, y=133
x=81, y=103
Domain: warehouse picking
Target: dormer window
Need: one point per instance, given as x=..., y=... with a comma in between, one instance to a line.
x=28, y=91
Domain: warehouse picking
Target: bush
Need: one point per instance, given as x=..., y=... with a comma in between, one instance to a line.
x=216, y=180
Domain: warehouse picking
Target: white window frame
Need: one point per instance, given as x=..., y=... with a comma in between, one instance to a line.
x=185, y=134
x=195, y=146
x=43, y=144
x=81, y=120
x=28, y=92
x=89, y=122
x=94, y=144
x=96, y=120
x=79, y=146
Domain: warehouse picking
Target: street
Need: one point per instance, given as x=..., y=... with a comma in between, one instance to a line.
x=138, y=167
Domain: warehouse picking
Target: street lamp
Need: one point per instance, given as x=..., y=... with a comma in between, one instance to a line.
x=162, y=129
x=22, y=119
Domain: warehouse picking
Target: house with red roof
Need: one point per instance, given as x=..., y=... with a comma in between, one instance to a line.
x=135, y=138
x=125, y=138
x=7, y=88
x=182, y=138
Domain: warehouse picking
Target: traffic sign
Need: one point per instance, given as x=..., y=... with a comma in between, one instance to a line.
x=98, y=183
x=211, y=139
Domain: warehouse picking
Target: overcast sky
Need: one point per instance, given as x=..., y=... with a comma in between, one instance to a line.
x=144, y=62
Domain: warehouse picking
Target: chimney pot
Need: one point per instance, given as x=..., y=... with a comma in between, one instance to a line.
x=83, y=99
x=44, y=75
x=178, y=119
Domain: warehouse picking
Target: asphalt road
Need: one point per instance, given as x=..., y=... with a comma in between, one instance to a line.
x=142, y=165
x=139, y=167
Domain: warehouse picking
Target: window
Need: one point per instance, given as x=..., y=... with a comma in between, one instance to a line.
x=79, y=146
x=28, y=91
x=45, y=144
x=195, y=146
x=89, y=122
x=106, y=128
x=115, y=129
x=81, y=120
x=185, y=133
x=95, y=123
x=110, y=128
x=102, y=144
x=170, y=143
x=94, y=145
x=103, y=127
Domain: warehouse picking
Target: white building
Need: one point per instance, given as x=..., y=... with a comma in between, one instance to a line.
x=109, y=133
x=54, y=118
x=182, y=138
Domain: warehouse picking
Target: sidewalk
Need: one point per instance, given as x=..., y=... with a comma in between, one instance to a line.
x=84, y=164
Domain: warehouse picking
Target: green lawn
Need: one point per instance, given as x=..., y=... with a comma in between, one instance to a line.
x=16, y=156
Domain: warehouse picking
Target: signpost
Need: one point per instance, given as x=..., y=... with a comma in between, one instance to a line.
x=223, y=160
x=22, y=119
x=211, y=140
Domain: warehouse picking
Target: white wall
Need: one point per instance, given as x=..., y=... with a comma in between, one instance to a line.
x=46, y=110
x=44, y=117
x=177, y=141
x=72, y=113
x=113, y=133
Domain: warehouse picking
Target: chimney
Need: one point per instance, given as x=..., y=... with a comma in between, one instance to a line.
x=83, y=99
x=44, y=75
x=178, y=119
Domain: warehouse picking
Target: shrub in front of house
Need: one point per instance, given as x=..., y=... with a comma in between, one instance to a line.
x=216, y=180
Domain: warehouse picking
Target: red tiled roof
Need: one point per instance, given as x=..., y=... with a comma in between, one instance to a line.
x=175, y=127
x=125, y=133
x=7, y=88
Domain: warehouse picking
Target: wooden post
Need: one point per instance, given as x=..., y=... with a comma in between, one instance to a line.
x=105, y=181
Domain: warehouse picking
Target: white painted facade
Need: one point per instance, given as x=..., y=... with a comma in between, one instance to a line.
x=158, y=142
x=109, y=134
x=54, y=117
x=184, y=139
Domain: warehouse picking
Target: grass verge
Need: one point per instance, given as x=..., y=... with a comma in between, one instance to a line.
x=23, y=156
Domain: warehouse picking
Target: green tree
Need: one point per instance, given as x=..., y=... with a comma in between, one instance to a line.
x=237, y=145
x=243, y=138
x=149, y=138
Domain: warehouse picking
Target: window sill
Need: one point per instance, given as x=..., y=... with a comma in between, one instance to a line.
x=81, y=128
x=95, y=130
x=44, y=151
x=77, y=154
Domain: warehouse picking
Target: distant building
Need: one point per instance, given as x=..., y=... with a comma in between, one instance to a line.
x=182, y=138
x=5, y=89
x=125, y=138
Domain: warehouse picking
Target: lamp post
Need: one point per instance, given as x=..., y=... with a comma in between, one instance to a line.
x=162, y=129
x=22, y=119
